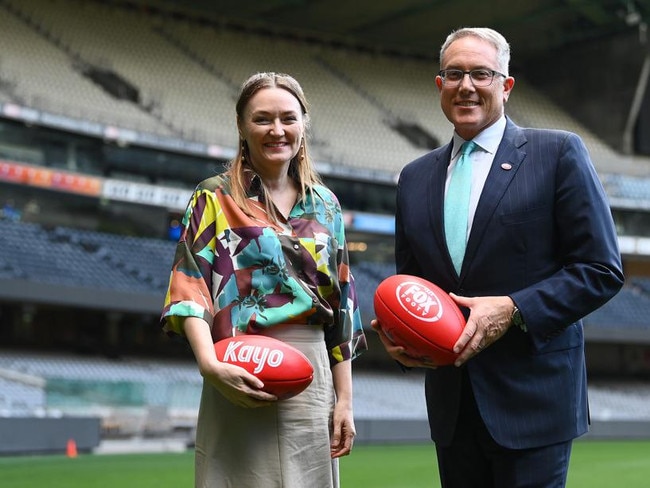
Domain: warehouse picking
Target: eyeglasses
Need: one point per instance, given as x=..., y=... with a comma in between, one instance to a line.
x=479, y=77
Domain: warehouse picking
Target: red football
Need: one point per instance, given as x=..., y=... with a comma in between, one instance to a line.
x=284, y=370
x=419, y=316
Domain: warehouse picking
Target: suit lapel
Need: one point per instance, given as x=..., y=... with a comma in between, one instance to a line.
x=504, y=167
x=437, y=198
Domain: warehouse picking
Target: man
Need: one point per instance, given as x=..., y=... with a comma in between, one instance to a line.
x=541, y=253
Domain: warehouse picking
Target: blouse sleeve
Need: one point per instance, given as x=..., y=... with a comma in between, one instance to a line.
x=189, y=293
x=346, y=340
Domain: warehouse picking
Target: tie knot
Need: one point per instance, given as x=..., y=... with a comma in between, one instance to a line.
x=467, y=148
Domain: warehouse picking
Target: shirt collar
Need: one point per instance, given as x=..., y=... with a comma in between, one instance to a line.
x=488, y=139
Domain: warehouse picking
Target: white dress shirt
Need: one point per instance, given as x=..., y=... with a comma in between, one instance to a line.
x=488, y=141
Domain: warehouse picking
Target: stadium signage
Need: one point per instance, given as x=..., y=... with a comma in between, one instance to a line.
x=127, y=191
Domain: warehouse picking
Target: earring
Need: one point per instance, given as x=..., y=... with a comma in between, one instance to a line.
x=302, y=151
x=243, y=151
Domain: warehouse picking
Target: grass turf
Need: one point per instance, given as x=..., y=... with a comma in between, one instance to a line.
x=594, y=464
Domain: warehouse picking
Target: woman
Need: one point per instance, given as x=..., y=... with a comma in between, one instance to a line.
x=263, y=251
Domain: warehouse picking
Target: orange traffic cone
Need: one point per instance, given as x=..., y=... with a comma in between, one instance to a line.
x=71, y=449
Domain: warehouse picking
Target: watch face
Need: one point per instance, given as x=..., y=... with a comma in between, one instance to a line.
x=518, y=320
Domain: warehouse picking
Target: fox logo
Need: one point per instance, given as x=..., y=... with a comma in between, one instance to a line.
x=259, y=356
x=419, y=301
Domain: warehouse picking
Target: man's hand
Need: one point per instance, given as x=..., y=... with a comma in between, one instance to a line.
x=489, y=319
x=398, y=353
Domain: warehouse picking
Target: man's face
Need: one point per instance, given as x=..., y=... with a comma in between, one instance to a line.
x=471, y=109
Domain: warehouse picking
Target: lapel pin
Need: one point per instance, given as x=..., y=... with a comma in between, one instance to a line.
x=506, y=166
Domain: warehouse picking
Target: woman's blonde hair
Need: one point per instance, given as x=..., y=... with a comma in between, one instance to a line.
x=301, y=168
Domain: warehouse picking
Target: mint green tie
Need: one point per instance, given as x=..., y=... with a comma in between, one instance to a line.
x=457, y=205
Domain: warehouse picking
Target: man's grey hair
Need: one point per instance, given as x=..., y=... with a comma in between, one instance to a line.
x=487, y=34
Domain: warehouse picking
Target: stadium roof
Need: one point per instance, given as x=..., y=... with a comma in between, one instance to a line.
x=418, y=27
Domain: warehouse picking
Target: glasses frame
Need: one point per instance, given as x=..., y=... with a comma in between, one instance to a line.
x=443, y=74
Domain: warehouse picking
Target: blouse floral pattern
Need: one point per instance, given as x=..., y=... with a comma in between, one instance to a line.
x=245, y=273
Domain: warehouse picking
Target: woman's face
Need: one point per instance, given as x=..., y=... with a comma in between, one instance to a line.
x=272, y=126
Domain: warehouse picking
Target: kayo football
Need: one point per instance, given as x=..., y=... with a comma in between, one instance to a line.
x=419, y=316
x=284, y=370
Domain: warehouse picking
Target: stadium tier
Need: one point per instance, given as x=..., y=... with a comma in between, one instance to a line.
x=135, y=387
x=153, y=73
x=137, y=265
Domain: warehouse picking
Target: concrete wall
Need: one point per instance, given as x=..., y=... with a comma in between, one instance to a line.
x=392, y=431
x=417, y=431
x=28, y=435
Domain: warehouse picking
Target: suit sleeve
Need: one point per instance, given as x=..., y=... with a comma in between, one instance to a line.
x=590, y=271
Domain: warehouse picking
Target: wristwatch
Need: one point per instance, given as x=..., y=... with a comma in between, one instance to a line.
x=517, y=319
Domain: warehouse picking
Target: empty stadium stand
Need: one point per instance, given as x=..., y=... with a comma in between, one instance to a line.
x=102, y=261
x=167, y=59
x=67, y=256
x=170, y=84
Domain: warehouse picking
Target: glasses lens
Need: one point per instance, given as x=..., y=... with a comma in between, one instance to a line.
x=452, y=76
x=481, y=77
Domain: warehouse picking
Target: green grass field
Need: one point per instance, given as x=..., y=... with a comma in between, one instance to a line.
x=594, y=464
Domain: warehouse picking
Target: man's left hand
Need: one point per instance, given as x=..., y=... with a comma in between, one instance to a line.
x=489, y=319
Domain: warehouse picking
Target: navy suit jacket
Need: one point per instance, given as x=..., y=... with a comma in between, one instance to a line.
x=544, y=235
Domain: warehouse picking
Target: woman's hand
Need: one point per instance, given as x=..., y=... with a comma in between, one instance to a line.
x=238, y=385
x=235, y=383
x=343, y=431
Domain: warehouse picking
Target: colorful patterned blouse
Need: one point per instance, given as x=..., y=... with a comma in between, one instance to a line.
x=247, y=273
